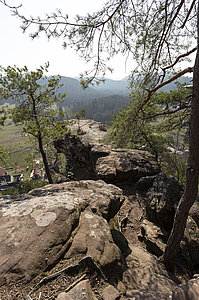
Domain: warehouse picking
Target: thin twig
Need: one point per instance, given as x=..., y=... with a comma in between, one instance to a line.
x=68, y=268
x=74, y=283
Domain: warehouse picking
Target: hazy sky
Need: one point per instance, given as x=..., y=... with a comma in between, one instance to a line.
x=18, y=48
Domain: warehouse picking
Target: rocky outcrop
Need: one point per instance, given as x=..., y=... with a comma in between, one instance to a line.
x=69, y=234
x=88, y=158
x=126, y=166
x=37, y=230
x=162, y=201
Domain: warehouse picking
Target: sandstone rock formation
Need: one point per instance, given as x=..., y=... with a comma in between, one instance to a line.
x=36, y=229
x=154, y=237
x=82, y=291
x=88, y=158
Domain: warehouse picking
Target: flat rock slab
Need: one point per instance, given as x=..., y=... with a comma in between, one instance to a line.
x=35, y=229
x=110, y=293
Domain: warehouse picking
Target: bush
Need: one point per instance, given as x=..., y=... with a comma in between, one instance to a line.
x=23, y=187
x=11, y=190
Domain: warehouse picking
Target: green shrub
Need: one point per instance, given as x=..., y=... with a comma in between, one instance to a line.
x=11, y=190
x=23, y=187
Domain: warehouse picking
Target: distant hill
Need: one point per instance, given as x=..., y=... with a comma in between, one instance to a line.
x=75, y=92
x=102, y=101
x=113, y=87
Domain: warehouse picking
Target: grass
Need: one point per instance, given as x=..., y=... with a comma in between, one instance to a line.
x=17, y=144
x=11, y=138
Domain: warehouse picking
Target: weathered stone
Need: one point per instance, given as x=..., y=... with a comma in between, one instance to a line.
x=84, y=148
x=93, y=238
x=36, y=229
x=121, y=287
x=144, y=183
x=162, y=201
x=125, y=165
x=154, y=237
x=88, y=158
x=110, y=293
x=146, y=275
x=187, y=291
x=146, y=295
x=62, y=296
x=82, y=291
x=190, y=243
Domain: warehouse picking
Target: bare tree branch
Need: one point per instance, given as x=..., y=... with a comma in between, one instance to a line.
x=178, y=58
x=188, y=14
x=11, y=7
x=159, y=86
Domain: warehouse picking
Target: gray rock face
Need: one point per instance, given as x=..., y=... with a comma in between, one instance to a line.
x=145, y=277
x=154, y=238
x=88, y=158
x=110, y=293
x=36, y=229
x=125, y=165
x=187, y=291
x=190, y=243
x=163, y=200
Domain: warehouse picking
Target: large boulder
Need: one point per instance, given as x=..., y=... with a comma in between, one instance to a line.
x=162, y=201
x=145, y=277
x=36, y=230
x=89, y=158
x=126, y=165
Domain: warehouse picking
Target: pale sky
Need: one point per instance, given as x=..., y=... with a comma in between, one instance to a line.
x=18, y=48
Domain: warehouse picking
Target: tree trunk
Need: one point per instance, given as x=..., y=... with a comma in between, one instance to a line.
x=43, y=154
x=191, y=188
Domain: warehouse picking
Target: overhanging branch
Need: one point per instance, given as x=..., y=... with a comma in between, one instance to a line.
x=159, y=86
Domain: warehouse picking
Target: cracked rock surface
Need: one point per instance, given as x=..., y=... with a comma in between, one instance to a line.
x=36, y=229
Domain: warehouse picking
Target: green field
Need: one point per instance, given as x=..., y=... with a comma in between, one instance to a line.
x=16, y=143
x=11, y=138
